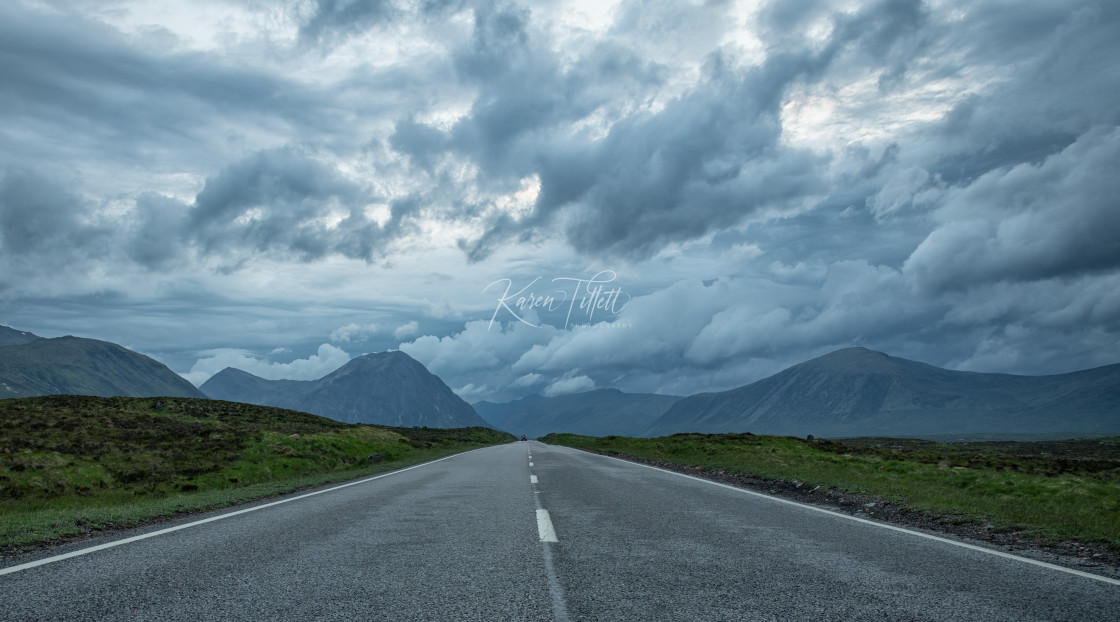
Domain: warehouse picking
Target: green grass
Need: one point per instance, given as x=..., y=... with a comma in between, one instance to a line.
x=70, y=465
x=1047, y=489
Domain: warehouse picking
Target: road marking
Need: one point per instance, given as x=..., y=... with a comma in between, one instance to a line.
x=530, y=464
x=548, y=539
x=544, y=527
x=152, y=534
x=1087, y=575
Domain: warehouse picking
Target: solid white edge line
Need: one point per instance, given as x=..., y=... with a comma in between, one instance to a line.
x=1080, y=573
x=545, y=528
x=108, y=545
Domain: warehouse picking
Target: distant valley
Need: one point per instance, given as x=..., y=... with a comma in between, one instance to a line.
x=592, y=413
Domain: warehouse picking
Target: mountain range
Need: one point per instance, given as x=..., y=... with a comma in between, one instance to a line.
x=593, y=413
x=851, y=392
x=31, y=365
x=387, y=388
x=860, y=392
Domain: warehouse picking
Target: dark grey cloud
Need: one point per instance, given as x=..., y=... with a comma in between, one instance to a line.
x=525, y=95
x=934, y=180
x=337, y=19
x=1031, y=222
x=41, y=221
x=157, y=239
x=500, y=42
x=282, y=203
x=978, y=241
x=1056, y=80
x=706, y=160
x=329, y=22
x=423, y=144
x=50, y=236
x=50, y=232
x=80, y=95
x=86, y=87
x=285, y=202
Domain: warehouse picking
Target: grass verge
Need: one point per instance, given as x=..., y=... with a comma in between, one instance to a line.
x=72, y=465
x=1054, y=491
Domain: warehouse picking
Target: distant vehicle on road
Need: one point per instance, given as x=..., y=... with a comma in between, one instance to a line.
x=524, y=438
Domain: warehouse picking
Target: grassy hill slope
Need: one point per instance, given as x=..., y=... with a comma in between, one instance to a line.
x=78, y=366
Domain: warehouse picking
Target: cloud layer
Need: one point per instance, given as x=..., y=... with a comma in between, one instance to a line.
x=211, y=182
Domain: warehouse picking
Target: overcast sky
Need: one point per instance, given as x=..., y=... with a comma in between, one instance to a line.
x=282, y=186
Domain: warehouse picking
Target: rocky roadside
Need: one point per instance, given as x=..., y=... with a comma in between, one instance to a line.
x=1095, y=558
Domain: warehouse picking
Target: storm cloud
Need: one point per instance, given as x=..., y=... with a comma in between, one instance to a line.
x=283, y=186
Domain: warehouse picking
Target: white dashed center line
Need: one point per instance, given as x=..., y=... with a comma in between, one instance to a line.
x=548, y=539
x=545, y=528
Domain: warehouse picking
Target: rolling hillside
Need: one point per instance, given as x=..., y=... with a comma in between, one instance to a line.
x=859, y=392
x=12, y=337
x=77, y=366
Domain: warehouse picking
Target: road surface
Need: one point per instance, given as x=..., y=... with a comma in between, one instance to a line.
x=528, y=531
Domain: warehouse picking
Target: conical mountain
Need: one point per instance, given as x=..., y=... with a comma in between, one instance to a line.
x=386, y=388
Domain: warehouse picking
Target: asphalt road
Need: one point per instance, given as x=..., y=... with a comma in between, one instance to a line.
x=469, y=538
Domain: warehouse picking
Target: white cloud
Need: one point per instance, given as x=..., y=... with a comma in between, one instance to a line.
x=528, y=380
x=327, y=359
x=354, y=333
x=406, y=330
x=478, y=355
x=569, y=383
x=898, y=192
